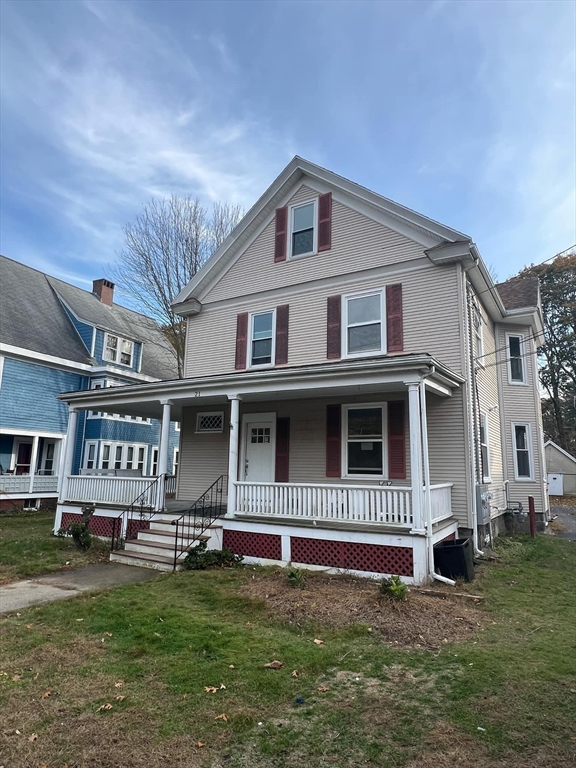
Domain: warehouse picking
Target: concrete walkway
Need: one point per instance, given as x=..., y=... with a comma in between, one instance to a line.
x=64, y=584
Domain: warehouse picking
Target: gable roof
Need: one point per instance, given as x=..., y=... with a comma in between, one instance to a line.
x=33, y=317
x=519, y=292
x=432, y=232
x=553, y=444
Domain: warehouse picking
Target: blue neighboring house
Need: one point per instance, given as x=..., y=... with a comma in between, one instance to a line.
x=55, y=337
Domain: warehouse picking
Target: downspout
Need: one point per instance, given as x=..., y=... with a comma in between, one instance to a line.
x=427, y=493
x=473, y=401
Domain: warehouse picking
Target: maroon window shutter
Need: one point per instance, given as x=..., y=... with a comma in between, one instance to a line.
x=396, y=440
x=394, y=332
x=281, y=233
x=333, y=441
x=325, y=222
x=241, y=340
x=282, y=472
x=282, y=313
x=334, y=339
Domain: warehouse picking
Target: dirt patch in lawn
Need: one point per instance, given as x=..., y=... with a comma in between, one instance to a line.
x=563, y=501
x=421, y=621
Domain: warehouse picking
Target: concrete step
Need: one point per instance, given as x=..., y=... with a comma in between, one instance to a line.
x=167, y=527
x=154, y=548
x=157, y=562
x=169, y=536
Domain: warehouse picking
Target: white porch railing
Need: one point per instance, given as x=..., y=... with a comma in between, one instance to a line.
x=12, y=484
x=441, y=501
x=111, y=490
x=354, y=503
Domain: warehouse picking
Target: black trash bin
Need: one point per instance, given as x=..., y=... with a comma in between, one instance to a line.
x=455, y=559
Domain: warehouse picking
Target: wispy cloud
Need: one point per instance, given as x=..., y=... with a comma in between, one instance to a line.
x=120, y=134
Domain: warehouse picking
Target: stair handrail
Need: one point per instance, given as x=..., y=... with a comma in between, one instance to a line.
x=121, y=523
x=199, y=517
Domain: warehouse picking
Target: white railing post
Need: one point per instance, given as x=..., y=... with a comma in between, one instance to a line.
x=68, y=452
x=233, y=452
x=416, y=456
x=163, y=450
x=33, y=462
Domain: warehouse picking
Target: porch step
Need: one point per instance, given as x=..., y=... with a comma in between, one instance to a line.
x=167, y=537
x=167, y=527
x=157, y=562
x=158, y=547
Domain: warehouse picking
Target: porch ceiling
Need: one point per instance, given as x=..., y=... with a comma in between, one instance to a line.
x=344, y=378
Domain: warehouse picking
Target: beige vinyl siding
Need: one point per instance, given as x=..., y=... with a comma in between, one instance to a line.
x=358, y=243
x=204, y=457
x=520, y=404
x=487, y=384
x=447, y=449
x=430, y=315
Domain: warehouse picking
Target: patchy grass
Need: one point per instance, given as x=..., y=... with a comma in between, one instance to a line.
x=28, y=548
x=354, y=700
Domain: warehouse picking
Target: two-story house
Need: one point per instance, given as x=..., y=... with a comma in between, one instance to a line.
x=54, y=337
x=356, y=388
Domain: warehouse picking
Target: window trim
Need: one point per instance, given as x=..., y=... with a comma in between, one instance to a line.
x=175, y=461
x=251, y=317
x=344, y=339
x=344, y=441
x=522, y=358
x=528, y=426
x=114, y=445
x=121, y=339
x=200, y=414
x=87, y=445
x=291, y=209
x=486, y=477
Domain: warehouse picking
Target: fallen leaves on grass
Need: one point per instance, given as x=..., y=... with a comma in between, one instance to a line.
x=210, y=689
x=200, y=744
x=295, y=673
x=119, y=684
x=323, y=688
x=424, y=621
x=221, y=717
x=15, y=678
x=34, y=737
x=120, y=698
x=274, y=665
x=105, y=707
x=47, y=694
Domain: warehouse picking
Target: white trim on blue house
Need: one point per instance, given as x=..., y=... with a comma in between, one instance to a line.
x=40, y=357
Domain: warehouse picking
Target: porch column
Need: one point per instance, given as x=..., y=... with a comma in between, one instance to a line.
x=415, y=456
x=33, y=462
x=427, y=505
x=163, y=448
x=233, y=452
x=68, y=451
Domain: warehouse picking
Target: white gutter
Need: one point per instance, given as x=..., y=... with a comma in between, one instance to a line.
x=427, y=492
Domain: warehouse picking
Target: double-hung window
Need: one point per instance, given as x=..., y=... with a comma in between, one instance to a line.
x=364, y=429
x=363, y=326
x=90, y=456
x=130, y=457
x=118, y=350
x=106, y=456
x=262, y=331
x=118, y=457
x=485, y=448
x=303, y=229
x=516, y=366
x=522, y=443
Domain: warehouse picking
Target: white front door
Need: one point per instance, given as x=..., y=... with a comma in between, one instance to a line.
x=259, y=448
x=556, y=485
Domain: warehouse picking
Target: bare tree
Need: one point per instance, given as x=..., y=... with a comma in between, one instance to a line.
x=164, y=248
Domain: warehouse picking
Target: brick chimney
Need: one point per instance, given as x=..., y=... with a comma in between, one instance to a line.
x=104, y=289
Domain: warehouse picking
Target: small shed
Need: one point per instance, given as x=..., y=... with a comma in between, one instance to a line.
x=561, y=470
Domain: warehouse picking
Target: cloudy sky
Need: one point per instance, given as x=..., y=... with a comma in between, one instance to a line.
x=464, y=111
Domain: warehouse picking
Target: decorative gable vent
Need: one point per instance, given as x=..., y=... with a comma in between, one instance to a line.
x=210, y=422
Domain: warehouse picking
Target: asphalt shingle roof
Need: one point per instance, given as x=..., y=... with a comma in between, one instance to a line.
x=32, y=317
x=519, y=292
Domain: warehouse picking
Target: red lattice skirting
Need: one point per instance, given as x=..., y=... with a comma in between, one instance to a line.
x=265, y=545
x=352, y=556
x=99, y=526
x=451, y=537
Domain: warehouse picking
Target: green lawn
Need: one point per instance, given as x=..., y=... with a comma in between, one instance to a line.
x=28, y=548
x=506, y=697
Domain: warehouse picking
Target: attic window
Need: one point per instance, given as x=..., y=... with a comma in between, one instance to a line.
x=117, y=350
x=303, y=229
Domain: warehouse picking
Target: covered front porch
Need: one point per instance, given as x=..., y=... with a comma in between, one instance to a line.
x=331, y=452
x=29, y=466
